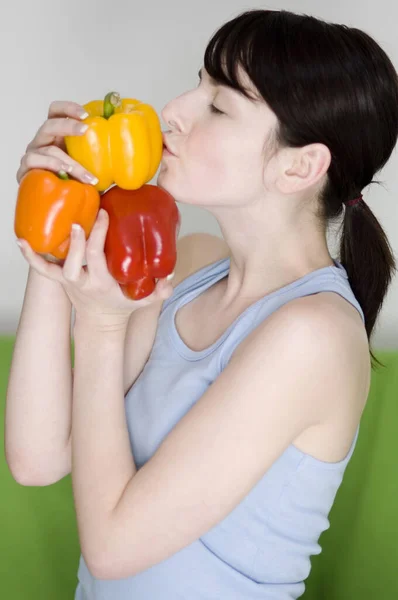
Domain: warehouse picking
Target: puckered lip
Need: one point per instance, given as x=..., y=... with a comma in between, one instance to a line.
x=167, y=145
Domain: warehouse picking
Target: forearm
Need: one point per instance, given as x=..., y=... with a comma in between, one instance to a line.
x=102, y=461
x=38, y=403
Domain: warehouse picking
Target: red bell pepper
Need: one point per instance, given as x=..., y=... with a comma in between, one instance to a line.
x=141, y=242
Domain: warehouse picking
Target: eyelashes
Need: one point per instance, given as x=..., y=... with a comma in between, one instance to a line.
x=215, y=110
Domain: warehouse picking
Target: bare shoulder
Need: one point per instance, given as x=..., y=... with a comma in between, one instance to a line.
x=328, y=321
x=321, y=341
x=345, y=324
x=350, y=372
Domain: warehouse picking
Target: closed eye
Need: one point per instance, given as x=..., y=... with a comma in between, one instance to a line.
x=215, y=110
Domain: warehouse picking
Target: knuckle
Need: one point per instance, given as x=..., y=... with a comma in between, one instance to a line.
x=42, y=129
x=92, y=252
x=44, y=150
x=47, y=126
x=49, y=150
x=33, y=142
x=68, y=276
x=52, y=106
x=28, y=160
x=52, y=164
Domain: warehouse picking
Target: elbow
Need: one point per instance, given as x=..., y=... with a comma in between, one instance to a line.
x=42, y=470
x=99, y=566
x=28, y=476
x=111, y=569
x=24, y=479
x=103, y=564
x=28, y=479
x=108, y=571
x=96, y=571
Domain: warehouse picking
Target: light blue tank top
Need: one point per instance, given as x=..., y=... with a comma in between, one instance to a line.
x=260, y=550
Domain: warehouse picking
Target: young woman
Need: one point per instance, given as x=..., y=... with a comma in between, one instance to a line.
x=212, y=423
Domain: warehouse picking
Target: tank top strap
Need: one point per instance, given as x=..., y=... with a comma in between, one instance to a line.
x=197, y=280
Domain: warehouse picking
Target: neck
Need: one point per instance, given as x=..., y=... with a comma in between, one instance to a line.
x=265, y=257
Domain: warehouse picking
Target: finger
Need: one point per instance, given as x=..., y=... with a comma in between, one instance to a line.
x=36, y=160
x=95, y=255
x=48, y=269
x=53, y=128
x=164, y=289
x=72, y=270
x=54, y=159
x=68, y=164
x=66, y=108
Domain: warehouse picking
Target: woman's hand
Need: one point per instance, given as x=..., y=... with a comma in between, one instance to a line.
x=47, y=150
x=95, y=294
x=91, y=288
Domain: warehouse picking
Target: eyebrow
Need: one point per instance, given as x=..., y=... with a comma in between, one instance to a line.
x=214, y=83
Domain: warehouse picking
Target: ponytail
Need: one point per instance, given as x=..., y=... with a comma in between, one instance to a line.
x=367, y=257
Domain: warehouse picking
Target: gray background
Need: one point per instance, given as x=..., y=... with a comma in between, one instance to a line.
x=79, y=51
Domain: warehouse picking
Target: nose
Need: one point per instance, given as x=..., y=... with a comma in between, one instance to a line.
x=167, y=118
x=170, y=124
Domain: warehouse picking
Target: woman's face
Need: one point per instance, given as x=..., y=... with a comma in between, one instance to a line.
x=219, y=157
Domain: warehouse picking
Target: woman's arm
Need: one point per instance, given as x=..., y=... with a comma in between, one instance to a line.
x=39, y=393
x=131, y=520
x=39, y=396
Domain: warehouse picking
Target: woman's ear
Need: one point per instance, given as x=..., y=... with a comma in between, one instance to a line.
x=301, y=168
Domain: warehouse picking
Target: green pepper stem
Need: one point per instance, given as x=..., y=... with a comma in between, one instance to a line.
x=62, y=175
x=112, y=101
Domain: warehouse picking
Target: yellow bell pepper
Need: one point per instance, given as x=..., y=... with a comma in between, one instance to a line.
x=123, y=144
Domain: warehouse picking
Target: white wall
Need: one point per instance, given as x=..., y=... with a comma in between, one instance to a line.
x=73, y=50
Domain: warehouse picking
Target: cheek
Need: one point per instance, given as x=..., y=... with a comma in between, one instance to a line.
x=208, y=153
x=214, y=159
x=212, y=165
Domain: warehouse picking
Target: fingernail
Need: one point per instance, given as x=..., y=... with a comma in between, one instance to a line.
x=83, y=128
x=83, y=115
x=76, y=228
x=170, y=277
x=90, y=178
x=19, y=244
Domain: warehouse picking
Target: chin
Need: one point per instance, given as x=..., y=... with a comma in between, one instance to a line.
x=184, y=196
x=161, y=185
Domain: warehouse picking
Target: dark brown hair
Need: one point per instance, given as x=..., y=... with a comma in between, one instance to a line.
x=332, y=84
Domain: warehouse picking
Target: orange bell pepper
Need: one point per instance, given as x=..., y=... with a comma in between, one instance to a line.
x=47, y=205
x=123, y=144
x=141, y=242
